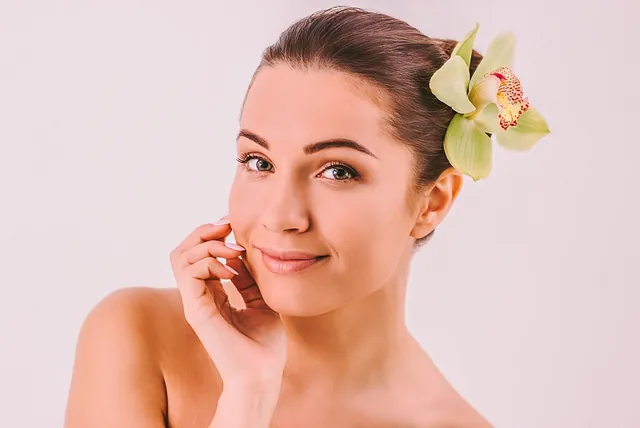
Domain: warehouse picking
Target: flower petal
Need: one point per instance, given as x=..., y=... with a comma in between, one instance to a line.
x=464, y=48
x=484, y=92
x=499, y=54
x=449, y=85
x=489, y=119
x=468, y=148
x=531, y=127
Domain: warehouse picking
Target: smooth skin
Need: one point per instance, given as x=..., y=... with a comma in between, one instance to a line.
x=325, y=346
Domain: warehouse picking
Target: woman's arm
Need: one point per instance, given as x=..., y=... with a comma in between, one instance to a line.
x=116, y=380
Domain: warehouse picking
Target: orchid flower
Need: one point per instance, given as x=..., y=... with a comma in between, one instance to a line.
x=489, y=102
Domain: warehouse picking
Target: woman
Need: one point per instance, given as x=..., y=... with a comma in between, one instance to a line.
x=342, y=174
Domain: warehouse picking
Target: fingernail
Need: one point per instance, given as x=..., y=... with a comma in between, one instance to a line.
x=230, y=269
x=234, y=246
x=224, y=220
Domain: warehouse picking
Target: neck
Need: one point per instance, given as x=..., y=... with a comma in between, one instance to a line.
x=360, y=344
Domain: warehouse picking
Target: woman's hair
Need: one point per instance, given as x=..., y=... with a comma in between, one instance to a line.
x=396, y=61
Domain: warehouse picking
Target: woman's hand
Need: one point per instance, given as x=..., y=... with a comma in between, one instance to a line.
x=247, y=345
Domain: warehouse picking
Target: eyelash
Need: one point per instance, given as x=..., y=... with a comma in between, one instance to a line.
x=244, y=159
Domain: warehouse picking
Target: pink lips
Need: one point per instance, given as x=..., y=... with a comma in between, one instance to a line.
x=284, y=262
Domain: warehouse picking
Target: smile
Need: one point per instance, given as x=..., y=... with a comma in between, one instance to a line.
x=287, y=262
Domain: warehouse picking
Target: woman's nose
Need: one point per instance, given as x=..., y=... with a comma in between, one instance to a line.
x=286, y=209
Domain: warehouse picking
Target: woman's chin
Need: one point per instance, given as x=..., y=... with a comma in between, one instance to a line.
x=292, y=304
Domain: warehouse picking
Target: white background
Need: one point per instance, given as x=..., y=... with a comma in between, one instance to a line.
x=117, y=126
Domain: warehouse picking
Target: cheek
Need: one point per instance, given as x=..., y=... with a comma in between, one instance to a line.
x=242, y=210
x=365, y=229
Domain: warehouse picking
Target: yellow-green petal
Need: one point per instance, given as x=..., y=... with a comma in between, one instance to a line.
x=484, y=92
x=530, y=129
x=464, y=48
x=488, y=120
x=449, y=84
x=500, y=53
x=468, y=148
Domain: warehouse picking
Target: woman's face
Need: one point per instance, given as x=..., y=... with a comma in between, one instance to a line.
x=319, y=199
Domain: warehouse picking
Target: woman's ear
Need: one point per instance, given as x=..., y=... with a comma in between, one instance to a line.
x=436, y=201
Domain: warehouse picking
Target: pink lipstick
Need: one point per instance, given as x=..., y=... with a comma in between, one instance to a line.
x=287, y=262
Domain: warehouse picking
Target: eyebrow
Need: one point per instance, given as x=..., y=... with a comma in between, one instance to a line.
x=312, y=148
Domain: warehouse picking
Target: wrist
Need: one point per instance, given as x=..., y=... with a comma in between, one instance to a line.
x=254, y=382
x=245, y=405
x=252, y=387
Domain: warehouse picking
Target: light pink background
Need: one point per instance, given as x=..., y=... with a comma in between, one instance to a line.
x=117, y=125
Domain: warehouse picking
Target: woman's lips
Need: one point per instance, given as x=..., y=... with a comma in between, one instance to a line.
x=287, y=261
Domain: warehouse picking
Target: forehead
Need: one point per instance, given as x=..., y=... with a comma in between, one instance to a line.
x=285, y=104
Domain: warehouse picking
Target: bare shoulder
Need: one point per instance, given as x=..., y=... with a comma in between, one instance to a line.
x=134, y=304
x=453, y=411
x=431, y=401
x=121, y=355
x=139, y=315
x=144, y=308
x=427, y=401
x=154, y=319
x=462, y=417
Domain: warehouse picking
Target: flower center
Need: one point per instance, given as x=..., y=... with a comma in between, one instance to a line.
x=510, y=100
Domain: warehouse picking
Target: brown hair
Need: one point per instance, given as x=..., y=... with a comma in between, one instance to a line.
x=396, y=59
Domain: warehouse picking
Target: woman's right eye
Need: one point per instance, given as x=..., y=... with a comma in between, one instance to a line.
x=259, y=164
x=255, y=163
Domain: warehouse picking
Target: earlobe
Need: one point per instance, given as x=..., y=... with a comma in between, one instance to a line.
x=436, y=202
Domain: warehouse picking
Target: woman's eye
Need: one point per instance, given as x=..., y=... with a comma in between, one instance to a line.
x=334, y=171
x=259, y=164
x=338, y=173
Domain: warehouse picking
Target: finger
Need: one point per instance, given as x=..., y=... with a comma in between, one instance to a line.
x=234, y=297
x=196, y=297
x=210, y=249
x=221, y=299
x=200, y=307
x=253, y=297
x=208, y=268
x=246, y=285
x=219, y=330
x=204, y=233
